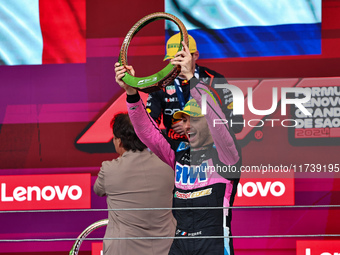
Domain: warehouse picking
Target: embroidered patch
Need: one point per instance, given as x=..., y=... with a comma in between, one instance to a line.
x=133, y=107
x=170, y=90
x=183, y=146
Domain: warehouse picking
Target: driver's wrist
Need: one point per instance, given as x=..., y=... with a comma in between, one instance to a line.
x=131, y=91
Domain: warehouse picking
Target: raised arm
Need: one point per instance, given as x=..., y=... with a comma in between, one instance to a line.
x=145, y=127
x=216, y=120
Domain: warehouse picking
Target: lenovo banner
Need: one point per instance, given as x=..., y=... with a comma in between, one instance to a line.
x=265, y=191
x=31, y=192
x=315, y=247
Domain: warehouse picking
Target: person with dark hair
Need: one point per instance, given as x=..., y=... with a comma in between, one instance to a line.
x=123, y=129
x=136, y=179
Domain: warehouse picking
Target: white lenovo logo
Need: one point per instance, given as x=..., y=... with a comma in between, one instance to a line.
x=250, y=189
x=36, y=193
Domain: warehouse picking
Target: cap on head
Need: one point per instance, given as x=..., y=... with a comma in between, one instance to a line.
x=191, y=108
x=173, y=43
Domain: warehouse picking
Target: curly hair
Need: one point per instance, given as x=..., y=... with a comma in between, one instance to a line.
x=122, y=128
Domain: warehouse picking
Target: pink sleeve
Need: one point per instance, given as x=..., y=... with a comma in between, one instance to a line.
x=224, y=142
x=149, y=133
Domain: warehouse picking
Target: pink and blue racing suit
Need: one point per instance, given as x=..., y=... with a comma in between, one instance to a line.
x=204, y=177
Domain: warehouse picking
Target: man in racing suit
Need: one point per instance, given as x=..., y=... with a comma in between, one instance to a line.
x=207, y=169
x=164, y=103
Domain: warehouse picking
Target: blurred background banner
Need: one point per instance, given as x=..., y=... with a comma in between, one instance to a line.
x=250, y=28
x=34, y=32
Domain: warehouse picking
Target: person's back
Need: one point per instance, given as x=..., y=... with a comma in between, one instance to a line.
x=137, y=179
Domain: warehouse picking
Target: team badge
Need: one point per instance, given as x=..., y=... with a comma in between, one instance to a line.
x=183, y=146
x=170, y=90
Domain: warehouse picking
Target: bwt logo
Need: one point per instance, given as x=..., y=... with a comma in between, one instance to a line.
x=187, y=175
x=238, y=102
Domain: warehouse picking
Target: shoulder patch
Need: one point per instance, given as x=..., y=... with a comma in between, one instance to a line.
x=170, y=90
x=183, y=146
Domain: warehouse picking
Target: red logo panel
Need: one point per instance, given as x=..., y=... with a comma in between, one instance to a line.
x=32, y=192
x=265, y=191
x=313, y=247
x=97, y=249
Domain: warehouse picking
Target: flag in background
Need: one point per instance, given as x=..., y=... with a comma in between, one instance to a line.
x=34, y=32
x=249, y=28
